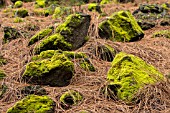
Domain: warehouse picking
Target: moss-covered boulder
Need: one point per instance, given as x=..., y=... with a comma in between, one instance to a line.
x=33, y=104
x=55, y=71
x=70, y=98
x=121, y=26
x=22, y=12
x=36, y=90
x=18, y=4
x=162, y=33
x=10, y=34
x=40, y=35
x=94, y=7
x=70, y=35
x=128, y=74
x=74, y=29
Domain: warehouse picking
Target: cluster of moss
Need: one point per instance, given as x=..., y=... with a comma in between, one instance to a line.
x=62, y=11
x=94, y=7
x=21, y=12
x=2, y=60
x=162, y=33
x=128, y=74
x=121, y=26
x=33, y=104
x=18, y=20
x=2, y=74
x=18, y=4
x=40, y=35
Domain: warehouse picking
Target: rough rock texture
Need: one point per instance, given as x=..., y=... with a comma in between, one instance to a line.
x=128, y=74
x=33, y=104
x=10, y=34
x=70, y=98
x=74, y=29
x=40, y=35
x=121, y=26
x=55, y=71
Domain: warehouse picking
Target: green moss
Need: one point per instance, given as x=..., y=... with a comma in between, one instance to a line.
x=86, y=65
x=18, y=20
x=162, y=33
x=2, y=74
x=62, y=12
x=2, y=60
x=33, y=104
x=54, y=71
x=3, y=89
x=21, y=12
x=53, y=42
x=105, y=1
x=121, y=26
x=18, y=4
x=94, y=7
x=40, y=3
x=40, y=35
x=128, y=74
x=71, y=98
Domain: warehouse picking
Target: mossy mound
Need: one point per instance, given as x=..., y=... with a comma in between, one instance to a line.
x=40, y=35
x=82, y=58
x=21, y=12
x=40, y=3
x=162, y=33
x=145, y=25
x=62, y=12
x=128, y=74
x=18, y=4
x=75, y=29
x=94, y=7
x=121, y=26
x=10, y=34
x=33, y=104
x=70, y=98
x=36, y=90
x=55, y=71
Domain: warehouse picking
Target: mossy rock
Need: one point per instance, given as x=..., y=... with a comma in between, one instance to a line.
x=75, y=29
x=70, y=98
x=55, y=71
x=53, y=42
x=83, y=59
x=33, y=104
x=18, y=4
x=10, y=34
x=2, y=74
x=121, y=26
x=94, y=7
x=128, y=74
x=36, y=90
x=21, y=12
x=105, y=52
x=162, y=33
x=40, y=35
x=41, y=3
x=145, y=25
x=62, y=12
x=165, y=22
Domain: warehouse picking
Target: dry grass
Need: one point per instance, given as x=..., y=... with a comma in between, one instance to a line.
x=155, y=51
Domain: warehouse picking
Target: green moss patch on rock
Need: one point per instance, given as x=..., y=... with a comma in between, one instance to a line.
x=40, y=3
x=128, y=74
x=18, y=4
x=40, y=35
x=55, y=71
x=121, y=26
x=10, y=34
x=162, y=33
x=94, y=7
x=33, y=104
x=145, y=25
x=70, y=98
x=22, y=12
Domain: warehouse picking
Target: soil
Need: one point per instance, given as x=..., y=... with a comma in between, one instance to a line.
x=155, y=51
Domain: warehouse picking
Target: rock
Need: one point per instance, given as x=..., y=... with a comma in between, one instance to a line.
x=10, y=34
x=33, y=104
x=121, y=26
x=70, y=35
x=21, y=12
x=55, y=71
x=128, y=74
x=162, y=33
x=94, y=7
x=40, y=35
x=18, y=4
x=36, y=90
x=70, y=98
x=75, y=29
x=145, y=25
